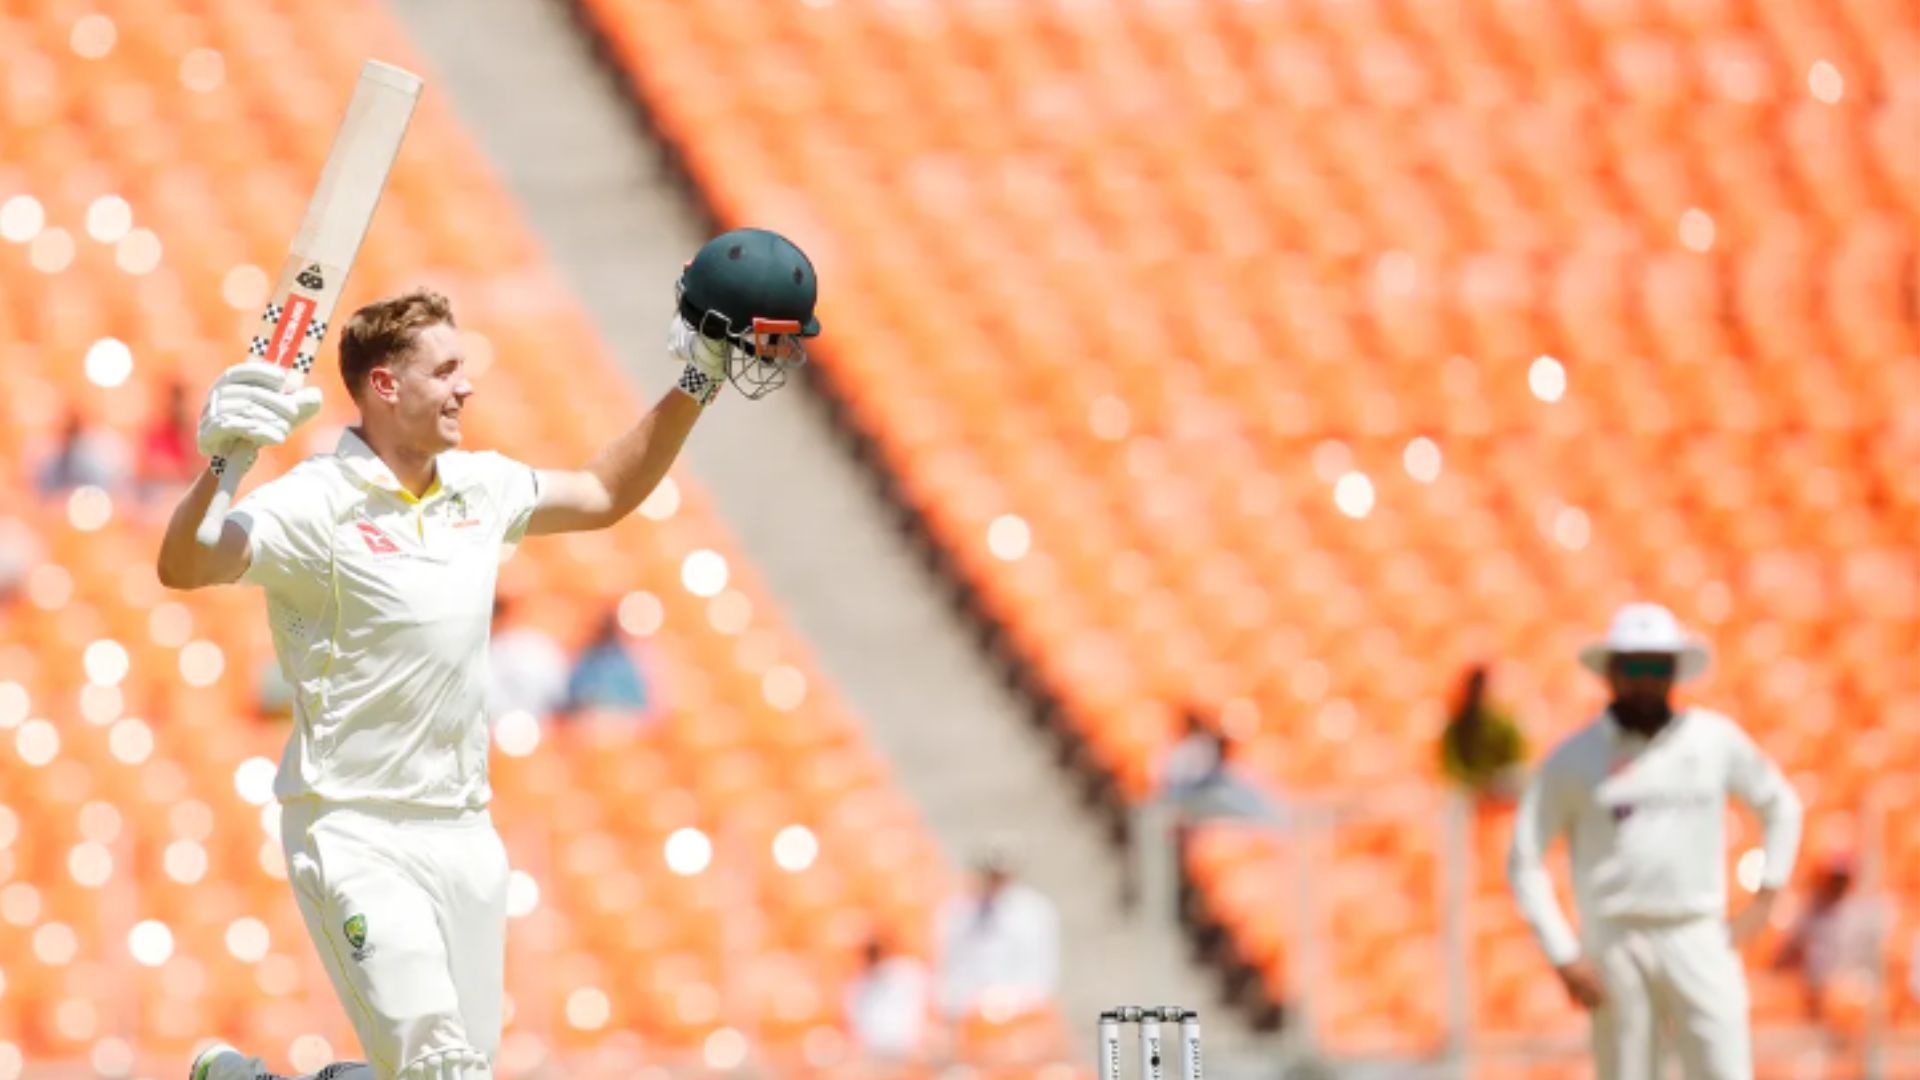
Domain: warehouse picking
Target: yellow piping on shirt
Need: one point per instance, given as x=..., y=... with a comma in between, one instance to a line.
x=419, y=514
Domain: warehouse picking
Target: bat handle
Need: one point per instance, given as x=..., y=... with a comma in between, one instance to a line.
x=229, y=467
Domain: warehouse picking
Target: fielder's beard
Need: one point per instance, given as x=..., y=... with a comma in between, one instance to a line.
x=1644, y=716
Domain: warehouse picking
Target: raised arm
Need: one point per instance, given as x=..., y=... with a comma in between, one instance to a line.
x=187, y=564
x=620, y=476
x=246, y=404
x=744, y=305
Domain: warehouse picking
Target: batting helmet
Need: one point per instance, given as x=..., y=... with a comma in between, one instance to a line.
x=755, y=290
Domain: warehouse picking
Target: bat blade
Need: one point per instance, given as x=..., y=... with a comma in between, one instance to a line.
x=295, y=321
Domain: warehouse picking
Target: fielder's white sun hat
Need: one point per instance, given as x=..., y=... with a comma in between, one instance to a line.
x=1646, y=628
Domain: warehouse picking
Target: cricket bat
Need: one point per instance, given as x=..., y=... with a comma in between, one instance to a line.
x=315, y=273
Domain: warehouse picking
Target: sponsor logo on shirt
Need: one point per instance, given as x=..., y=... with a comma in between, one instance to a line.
x=1668, y=802
x=377, y=542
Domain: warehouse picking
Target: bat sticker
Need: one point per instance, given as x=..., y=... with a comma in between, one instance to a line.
x=292, y=331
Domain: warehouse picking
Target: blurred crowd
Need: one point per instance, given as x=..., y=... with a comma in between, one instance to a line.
x=531, y=672
x=998, y=950
x=141, y=476
x=161, y=460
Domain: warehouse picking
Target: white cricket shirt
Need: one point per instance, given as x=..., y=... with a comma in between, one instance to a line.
x=1005, y=954
x=1646, y=823
x=380, y=606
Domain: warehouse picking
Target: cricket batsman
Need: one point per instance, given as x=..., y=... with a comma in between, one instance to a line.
x=378, y=562
x=1641, y=795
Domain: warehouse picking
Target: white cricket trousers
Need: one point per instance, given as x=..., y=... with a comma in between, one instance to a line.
x=1670, y=982
x=408, y=909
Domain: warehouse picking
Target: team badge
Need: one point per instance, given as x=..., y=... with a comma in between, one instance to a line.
x=356, y=930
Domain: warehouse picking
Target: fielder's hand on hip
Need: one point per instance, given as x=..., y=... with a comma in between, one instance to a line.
x=705, y=359
x=1583, y=983
x=248, y=407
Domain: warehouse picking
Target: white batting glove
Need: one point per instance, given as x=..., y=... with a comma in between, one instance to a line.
x=705, y=359
x=247, y=405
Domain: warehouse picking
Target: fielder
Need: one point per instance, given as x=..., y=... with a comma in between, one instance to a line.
x=379, y=561
x=1641, y=795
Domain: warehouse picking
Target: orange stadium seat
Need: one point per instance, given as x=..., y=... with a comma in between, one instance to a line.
x=1150, y=278
x=142, y=893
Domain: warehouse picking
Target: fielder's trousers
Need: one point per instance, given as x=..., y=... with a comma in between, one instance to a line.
x=1670, y=983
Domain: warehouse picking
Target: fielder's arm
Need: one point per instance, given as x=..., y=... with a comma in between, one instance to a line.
x=1755, y=780
x=621, y=476
x=184, y=562
x=1542, y=818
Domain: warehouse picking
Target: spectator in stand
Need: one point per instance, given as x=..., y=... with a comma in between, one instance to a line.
x=20, y=552
x=887, y=1004
x=1481, y=748
x=606, y=675
x=527, y=669
x=1836, y=938
x=999, y=945
x=1200, y=783
x=168, y=457
x=85, y=457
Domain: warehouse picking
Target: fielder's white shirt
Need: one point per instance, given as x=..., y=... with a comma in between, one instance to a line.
x=887, y=1007
x=380, y=606
x=1646, y=823
x=1006, y=953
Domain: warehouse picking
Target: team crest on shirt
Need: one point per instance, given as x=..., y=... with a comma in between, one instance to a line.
x=463, y=517
x=355, y=928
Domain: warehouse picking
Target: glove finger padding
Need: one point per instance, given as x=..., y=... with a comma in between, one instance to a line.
x=307, y=400
x=247, y=404
x=293, y=408
x=689, y=346
x=253, y=373
x=251, y=430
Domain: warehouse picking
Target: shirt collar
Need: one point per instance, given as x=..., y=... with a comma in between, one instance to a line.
x=361, y=462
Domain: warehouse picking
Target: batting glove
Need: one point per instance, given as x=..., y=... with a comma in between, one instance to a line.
x=705, y=359
x=248, y=405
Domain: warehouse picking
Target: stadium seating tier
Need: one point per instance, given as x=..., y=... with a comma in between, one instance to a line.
x=1285, y=358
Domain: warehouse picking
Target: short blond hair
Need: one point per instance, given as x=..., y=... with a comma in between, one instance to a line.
x=385, y=329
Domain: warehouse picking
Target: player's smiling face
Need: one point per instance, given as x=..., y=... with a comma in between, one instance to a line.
x=432, y=389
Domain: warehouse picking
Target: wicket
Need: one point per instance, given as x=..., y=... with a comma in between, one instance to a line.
x=1149, y=1018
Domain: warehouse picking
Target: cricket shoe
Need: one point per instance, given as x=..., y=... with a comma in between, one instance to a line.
x=223, y=1062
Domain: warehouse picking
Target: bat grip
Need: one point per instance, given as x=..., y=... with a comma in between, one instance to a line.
x=230, y=467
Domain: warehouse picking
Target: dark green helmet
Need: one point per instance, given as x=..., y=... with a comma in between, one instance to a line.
x=756, y=290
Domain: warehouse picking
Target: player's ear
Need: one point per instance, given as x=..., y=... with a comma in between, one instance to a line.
x=383, y=382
